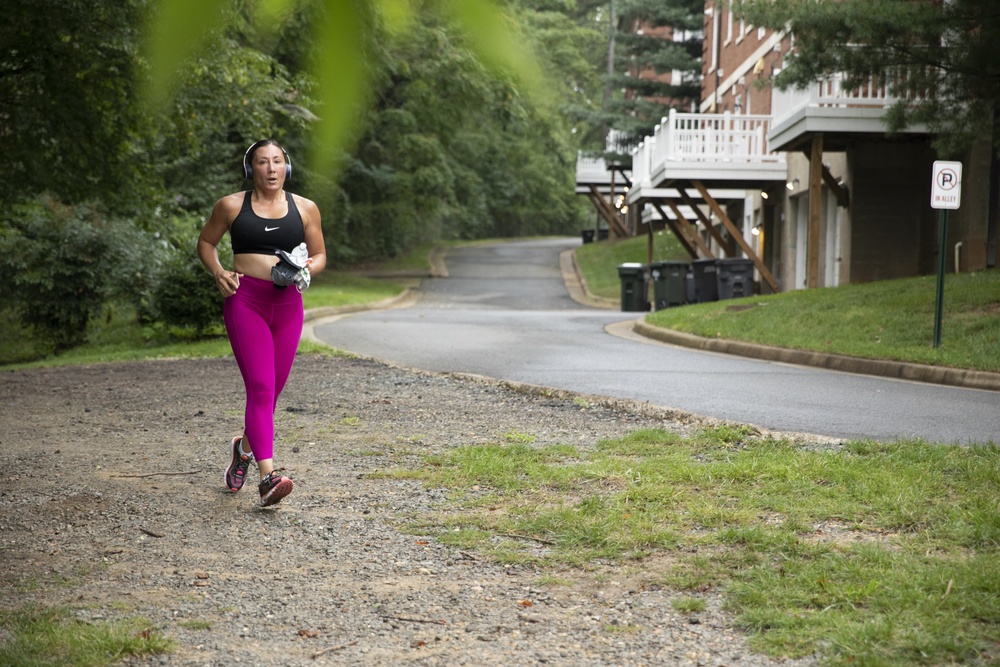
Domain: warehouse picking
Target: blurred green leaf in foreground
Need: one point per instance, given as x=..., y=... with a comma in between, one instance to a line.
x=338, y=45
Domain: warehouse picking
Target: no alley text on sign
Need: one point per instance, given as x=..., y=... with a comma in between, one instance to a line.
x=946, y=190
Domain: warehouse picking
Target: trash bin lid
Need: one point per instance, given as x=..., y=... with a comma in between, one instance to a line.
x=631, y=269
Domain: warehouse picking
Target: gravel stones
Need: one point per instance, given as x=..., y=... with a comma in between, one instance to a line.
x=114, y=504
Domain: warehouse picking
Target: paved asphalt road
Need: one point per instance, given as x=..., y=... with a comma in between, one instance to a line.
x=504, y=312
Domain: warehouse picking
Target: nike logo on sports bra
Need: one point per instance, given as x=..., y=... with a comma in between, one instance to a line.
x=269, y=229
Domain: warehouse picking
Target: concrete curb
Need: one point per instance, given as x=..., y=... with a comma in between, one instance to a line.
x=577, y=286
x=956, y=377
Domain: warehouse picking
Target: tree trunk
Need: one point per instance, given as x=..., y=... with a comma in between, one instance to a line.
x=994, y=207
x=606, y=102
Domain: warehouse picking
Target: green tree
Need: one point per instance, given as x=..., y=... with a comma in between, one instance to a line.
x=63, y=263
x=343, y=38
x=646, y=72
x=939, y=58
x=67, y=88
x=231, y=95
x=452, y=149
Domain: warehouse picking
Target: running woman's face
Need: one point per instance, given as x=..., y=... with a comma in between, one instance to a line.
x=268, y=167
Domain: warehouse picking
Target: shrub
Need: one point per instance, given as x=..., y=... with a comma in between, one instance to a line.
x=186, y=296
x=61, y=263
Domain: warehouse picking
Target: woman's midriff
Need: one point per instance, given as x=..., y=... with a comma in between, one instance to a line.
x=254, y=265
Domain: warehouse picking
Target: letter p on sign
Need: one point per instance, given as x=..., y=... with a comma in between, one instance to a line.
x=946, y=190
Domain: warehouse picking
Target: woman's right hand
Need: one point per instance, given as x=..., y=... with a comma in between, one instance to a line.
x=228, y=282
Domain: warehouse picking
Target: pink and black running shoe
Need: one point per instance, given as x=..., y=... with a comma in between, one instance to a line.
x=274, y=487
x=236, y=472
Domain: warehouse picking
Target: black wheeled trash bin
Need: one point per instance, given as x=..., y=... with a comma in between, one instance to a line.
x=735, y=277
x=633, y=283
x=587, y=235
x=706, y=287
x=669, y=284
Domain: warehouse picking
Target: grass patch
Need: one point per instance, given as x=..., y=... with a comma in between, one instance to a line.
x=115, y=337
x=689, y=605
x=35, y=637
x=873, y=553
x=416, y=258
x=892, y=319
x=339, y=288
x=119, y=337
x=599, y=261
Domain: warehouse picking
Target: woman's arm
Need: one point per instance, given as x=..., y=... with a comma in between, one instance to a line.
x=211, y=234
x=313, y=228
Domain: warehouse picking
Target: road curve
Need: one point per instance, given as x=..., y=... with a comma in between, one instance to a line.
x=504, y=312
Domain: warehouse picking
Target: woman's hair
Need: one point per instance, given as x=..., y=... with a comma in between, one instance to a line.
x=248, y=158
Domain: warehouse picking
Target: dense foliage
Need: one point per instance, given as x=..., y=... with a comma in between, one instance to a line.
x=68, y=118
x=447, y=147
x=62, y=263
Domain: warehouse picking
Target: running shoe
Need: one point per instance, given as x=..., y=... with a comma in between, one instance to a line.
x=274, y=487
x=236, y=473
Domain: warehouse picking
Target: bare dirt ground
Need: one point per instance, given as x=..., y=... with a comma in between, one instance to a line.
x=113, y=504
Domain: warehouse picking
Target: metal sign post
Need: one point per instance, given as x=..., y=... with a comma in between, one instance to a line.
x=946, y=194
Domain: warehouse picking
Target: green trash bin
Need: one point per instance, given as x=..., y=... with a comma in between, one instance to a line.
x=633, y=283
x=669, y=283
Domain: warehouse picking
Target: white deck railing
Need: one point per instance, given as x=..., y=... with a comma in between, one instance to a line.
x=831, y=93
x=642, y=161
x=725, y=137
x=591, y=169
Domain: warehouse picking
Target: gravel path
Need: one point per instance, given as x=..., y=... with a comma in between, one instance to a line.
x=113, y=503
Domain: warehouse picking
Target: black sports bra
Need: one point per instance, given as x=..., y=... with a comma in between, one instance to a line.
x=252, y=234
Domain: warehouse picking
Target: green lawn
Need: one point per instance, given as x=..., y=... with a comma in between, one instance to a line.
x=599, y=261
x=892, y=319
x=871, y=554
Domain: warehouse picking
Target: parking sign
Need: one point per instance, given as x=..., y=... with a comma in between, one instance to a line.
x=946, y=190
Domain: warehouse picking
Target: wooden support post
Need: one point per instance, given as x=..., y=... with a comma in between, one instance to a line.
x=685, y=231
x=737, y=236
x=611, y=198
x=608, y=212
x=649, y=244
x=838, y=190
x=707, y=221
x=815, y=211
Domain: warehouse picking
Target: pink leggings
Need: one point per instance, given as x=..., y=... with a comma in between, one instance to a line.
x=264, y=324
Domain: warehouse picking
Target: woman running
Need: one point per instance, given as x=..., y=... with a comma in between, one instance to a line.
x=263, y=320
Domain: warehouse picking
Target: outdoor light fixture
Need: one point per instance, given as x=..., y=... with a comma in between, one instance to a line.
x=756, y=230
x=792, y=184
x=764, y=195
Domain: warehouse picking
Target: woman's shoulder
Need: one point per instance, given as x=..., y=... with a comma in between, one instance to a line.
x=299, y=199
x=303, y=203
x=231, y=203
